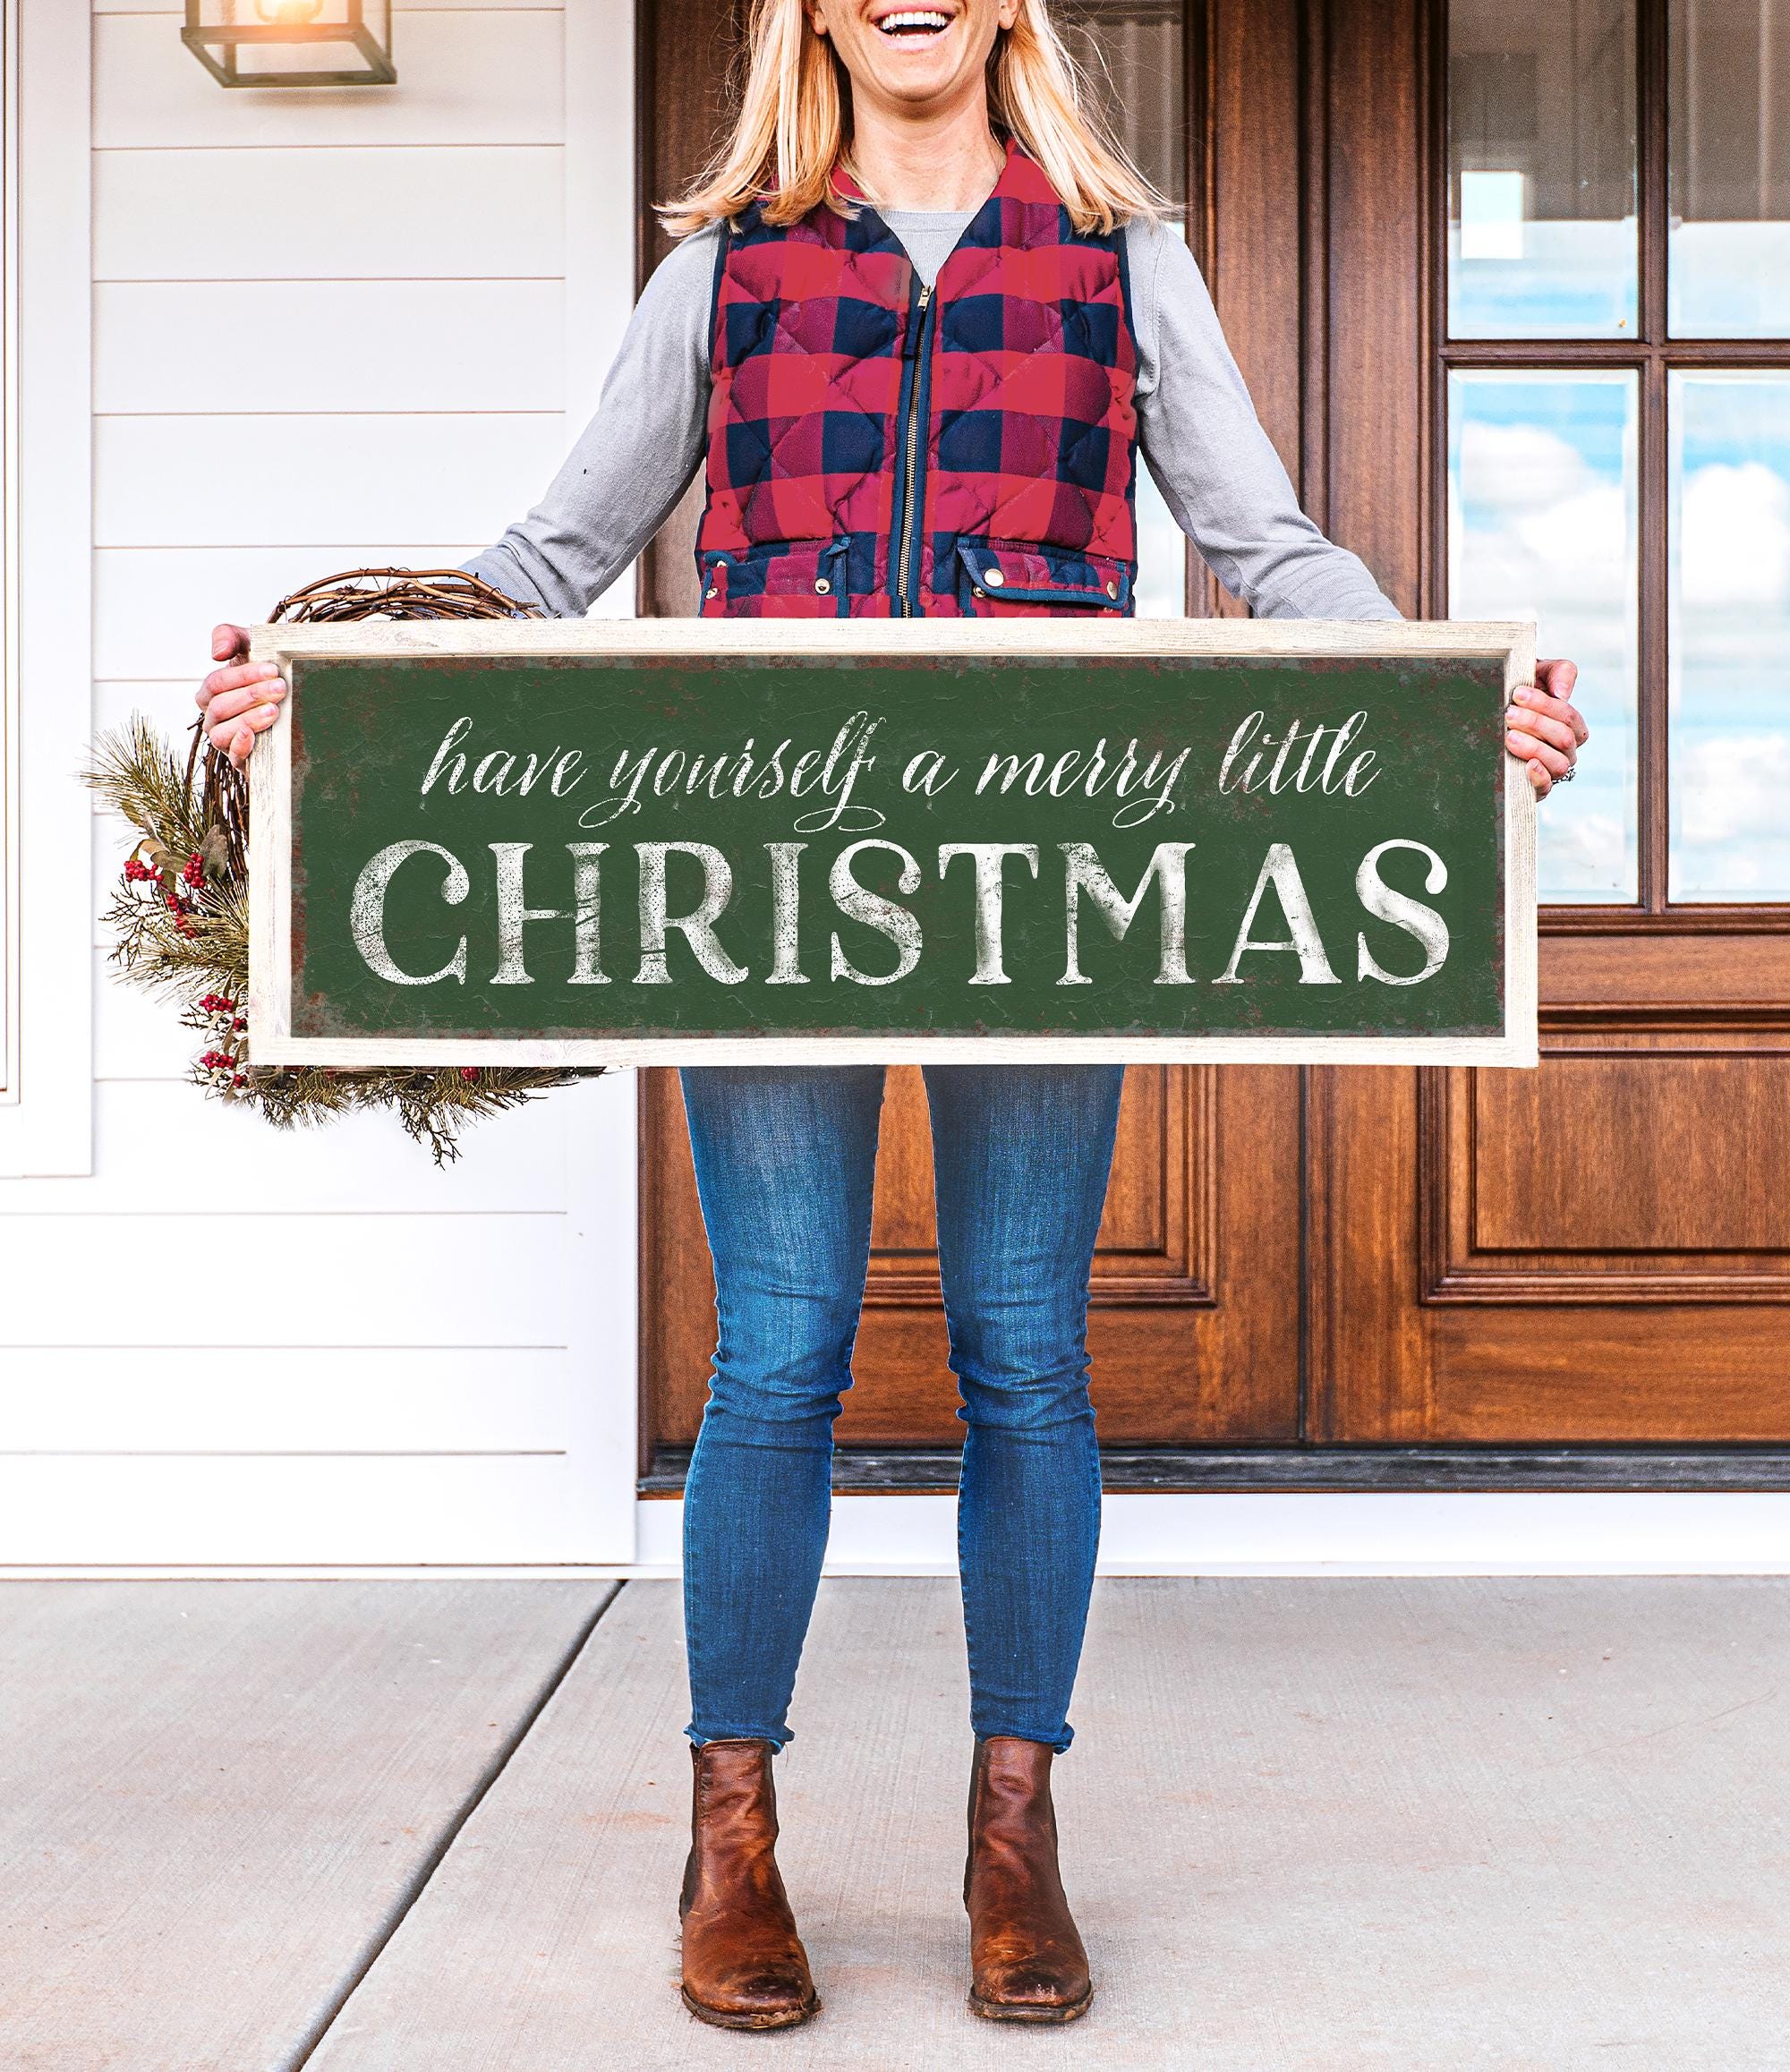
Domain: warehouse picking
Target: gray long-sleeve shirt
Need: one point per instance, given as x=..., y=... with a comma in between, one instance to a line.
x=1201, y=440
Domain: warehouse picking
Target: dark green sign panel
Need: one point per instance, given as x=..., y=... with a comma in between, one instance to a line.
x=686, y=847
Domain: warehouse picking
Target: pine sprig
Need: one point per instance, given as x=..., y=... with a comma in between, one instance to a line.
x=179, y=913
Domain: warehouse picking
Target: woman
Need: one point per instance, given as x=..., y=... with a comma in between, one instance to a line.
x=922, y=321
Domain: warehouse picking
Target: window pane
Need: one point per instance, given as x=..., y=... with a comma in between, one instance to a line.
x=1541, y=169
x=1729, y=255
x=1133, y=54
x=1730, y=677
x=1541, y=525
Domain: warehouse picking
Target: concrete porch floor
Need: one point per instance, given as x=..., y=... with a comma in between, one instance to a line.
x=1309, y=1826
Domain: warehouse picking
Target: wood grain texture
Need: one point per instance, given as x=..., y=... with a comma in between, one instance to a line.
x=1596, y=1255
x=1689, y=972
x=1375, y=369
x=1321, y=242
x=1194, y=1323
x=1570, y=1373
x=218, y=1795
x=1694, y=1161
x=1422, y=1332
x=687, y=53
x=1629, y=1169
x=1254, y=255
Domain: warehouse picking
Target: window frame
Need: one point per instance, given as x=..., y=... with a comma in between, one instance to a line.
x=1652, y=354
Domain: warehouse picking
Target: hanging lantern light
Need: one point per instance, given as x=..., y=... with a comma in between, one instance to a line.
x=292, y=42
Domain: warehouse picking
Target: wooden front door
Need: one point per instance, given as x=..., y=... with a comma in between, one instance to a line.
x=1575, y=326
x=1388, y=1275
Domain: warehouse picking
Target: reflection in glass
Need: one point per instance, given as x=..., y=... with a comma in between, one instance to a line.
x=1542, y=526
x=1133, y=54
x=1730, y=676
x=1541, y=169
x=1728, y=258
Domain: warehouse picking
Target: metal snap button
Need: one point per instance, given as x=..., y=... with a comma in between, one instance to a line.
x=823, y=585
x=975, y=589
x=713, y=590
x=1111, y=588
x=993, y=578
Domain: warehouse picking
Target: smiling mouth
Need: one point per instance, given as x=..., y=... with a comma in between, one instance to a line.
x=915, y=24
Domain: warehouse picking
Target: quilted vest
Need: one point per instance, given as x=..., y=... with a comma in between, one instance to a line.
x=880, y=449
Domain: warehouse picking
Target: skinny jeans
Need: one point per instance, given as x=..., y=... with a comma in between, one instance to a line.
x=784, y=1160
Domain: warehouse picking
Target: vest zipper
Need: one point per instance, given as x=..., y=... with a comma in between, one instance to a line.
x=912, y=493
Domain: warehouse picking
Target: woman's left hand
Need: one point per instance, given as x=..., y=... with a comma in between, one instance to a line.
x=1543, y=729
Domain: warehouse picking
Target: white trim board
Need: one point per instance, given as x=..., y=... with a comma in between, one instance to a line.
x=1565, y=1534
x=1502, y=1533
x=46, y=1106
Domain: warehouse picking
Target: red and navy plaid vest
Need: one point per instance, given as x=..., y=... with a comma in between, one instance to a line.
x=877, y=450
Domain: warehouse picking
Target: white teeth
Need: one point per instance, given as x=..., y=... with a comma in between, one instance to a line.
x=922, y=19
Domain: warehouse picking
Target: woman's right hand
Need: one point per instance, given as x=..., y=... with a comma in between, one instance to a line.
x=242, y=699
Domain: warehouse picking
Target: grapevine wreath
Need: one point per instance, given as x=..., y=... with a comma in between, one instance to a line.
x=180, y=911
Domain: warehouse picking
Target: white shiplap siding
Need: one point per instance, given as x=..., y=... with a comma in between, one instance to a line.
x=330, y=327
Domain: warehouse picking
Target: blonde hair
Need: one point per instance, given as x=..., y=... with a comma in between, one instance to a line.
x=791, y=136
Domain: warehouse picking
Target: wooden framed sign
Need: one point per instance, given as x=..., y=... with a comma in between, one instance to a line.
x=672, y=841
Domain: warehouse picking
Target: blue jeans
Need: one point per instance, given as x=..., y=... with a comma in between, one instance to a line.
x=785, y=1162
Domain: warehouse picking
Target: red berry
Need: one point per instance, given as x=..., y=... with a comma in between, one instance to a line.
x=194, y=873
x=469, y=1071
x=239, y=1081
x=239, y=1025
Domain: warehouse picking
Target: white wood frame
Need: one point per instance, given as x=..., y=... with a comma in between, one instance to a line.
x=46, y=818
x=272, y=1042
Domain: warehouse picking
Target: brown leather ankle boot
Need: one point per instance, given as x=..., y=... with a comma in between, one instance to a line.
x=743, y=1964
x=1027, y=1957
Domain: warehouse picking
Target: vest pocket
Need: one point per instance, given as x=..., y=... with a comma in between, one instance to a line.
x=995, y=573
x=777, y=579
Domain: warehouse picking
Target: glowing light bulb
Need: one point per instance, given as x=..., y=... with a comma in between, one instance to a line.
x=282, y=13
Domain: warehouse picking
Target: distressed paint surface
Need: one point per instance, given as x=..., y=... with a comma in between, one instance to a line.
x=365, y=733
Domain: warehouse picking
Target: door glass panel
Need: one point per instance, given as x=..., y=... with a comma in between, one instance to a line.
x=1730, y=638
x=1542, y=526
x=1133, y=56
x=1541, y=169
x=1728, y=252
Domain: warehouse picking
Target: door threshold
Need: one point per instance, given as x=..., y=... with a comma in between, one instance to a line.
x=1198, y=1471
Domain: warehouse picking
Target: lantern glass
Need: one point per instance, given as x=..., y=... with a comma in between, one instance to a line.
x=292, y=42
